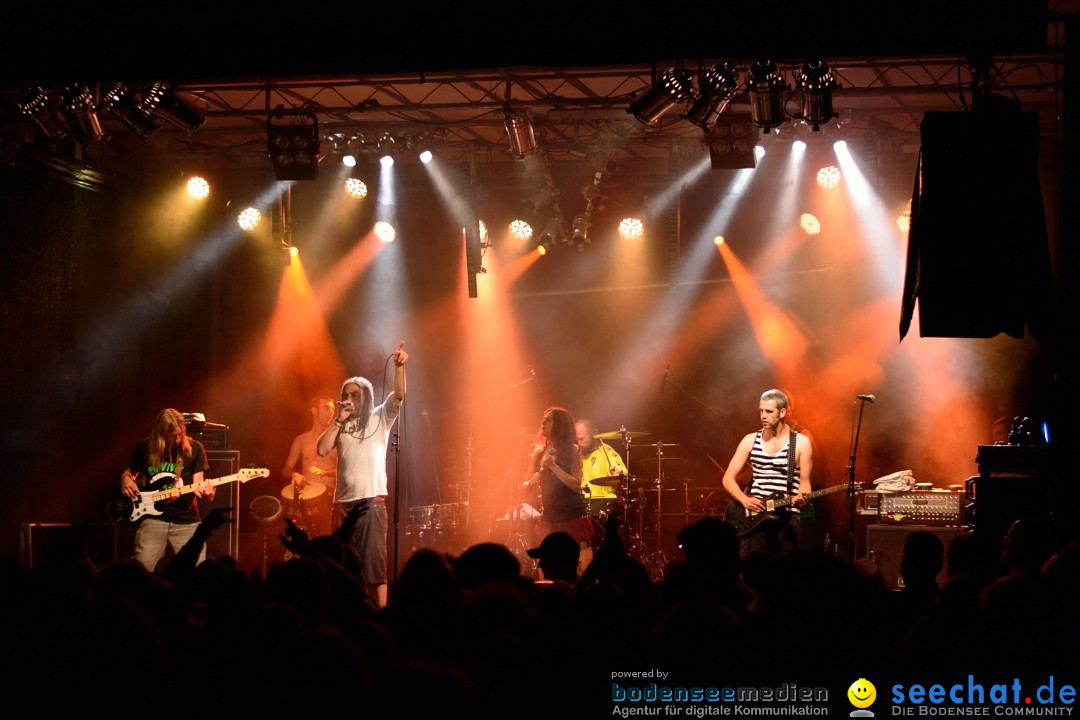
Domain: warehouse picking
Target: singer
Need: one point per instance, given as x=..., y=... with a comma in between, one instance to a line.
x=556, y=468
x=360, y=433
x=768, y=451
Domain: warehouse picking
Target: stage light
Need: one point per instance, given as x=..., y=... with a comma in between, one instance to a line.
x=293, y=251
x=816, y=83
x=798, y=146
x=120, y=102
x=903, y=221
x=718, y=87
x=732, y=144
x=766, y=85
x=542, y=249
x=521, y=133
x=425, y=156
x=593, y=197
x=810, y=224
x=348, y=160
x=829, y=176
x=292, y=139
x=718, y=240
x=385, y=232
x=579, y=231
x=672, y=88
x=539, y=200
x=521, y=229
x=552, y=232
x=81, y=115
x=631, y=228
x=483, y=230
x=356, y=188
x=386, y=161
x=249, y=219
x=160, y=100
x=198, y=188
x=759, y=152
x=34, y=103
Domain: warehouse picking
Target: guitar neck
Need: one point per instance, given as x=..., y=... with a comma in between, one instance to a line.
x=809, y=496
x=176, y=492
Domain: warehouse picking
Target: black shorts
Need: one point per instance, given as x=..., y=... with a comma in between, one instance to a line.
x=369, y=537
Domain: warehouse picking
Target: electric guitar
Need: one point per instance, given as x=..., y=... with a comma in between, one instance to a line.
x=747, y=521
x=161, y=487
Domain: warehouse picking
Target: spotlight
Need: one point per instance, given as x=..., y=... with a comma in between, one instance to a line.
x=249, y=219
x=552, y=232
x=759, y=152
x=292, y=139
x=385, y=232
x=593, y=196
x=293, y=251
x=810, y=224
x=539, y=200
x=81, y=116
x=718, y=87
x=425, y=156
x=731, y=144
x=766, y=84
x=579, y=231
x=521, y=133
x=828, y=177
x=120, y=102
x=198, y=188
x=903, y=221
x=542, y=249
x=348, y=160
x=386, y=161
x=798, y=146
x=673, y=87
x=160, y=100
x=718, y=240
x=521, y=229
x=356, y=188
x=631, y=228
x=816, y=82
x=34, y=103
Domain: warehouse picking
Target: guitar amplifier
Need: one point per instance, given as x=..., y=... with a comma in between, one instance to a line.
x=922, y=507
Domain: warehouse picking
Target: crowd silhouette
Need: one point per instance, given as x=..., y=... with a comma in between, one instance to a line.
x=471, y=633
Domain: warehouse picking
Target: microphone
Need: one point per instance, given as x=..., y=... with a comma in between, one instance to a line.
x=664, y=381
x=867, y=398
x=340, y=403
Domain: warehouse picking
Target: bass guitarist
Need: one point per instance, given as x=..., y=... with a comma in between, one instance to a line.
x=773, y=475
x=167, y=456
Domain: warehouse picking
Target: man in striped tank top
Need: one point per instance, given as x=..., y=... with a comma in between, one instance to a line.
x=767, y=453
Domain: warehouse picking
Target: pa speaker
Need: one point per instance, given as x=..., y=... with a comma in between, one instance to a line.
x=885, y=545
x=226, y=539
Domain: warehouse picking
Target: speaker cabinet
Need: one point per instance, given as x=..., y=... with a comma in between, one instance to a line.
x=44, y=544
x=226, y=539
x=885, y=545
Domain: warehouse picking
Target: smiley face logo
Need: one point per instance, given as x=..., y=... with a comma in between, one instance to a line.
x=862, y=693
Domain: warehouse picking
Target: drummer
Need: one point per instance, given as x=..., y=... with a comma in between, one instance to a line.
x=317, y=474
x=600, y=463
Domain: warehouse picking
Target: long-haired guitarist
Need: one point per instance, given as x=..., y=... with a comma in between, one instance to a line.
x=167, y=457
x=767, y=453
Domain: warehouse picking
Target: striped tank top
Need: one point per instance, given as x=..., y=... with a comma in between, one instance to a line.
x=770, y=472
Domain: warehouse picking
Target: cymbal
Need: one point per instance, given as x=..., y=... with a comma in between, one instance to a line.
x=609, y=481
x=620, y=434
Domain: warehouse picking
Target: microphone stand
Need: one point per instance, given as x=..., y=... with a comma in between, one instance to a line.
x=855, y=430
x=689, y=395
x=396, y=449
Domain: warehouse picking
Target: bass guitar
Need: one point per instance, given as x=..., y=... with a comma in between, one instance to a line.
x=747, y=521
x=162, y=487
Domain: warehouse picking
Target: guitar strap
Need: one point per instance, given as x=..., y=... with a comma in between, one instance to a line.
x=791, y=460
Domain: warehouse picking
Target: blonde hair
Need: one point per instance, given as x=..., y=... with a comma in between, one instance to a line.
x=166, y=421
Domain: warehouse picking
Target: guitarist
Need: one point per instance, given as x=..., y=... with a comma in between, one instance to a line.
x=167, y=450
x=767, y=452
